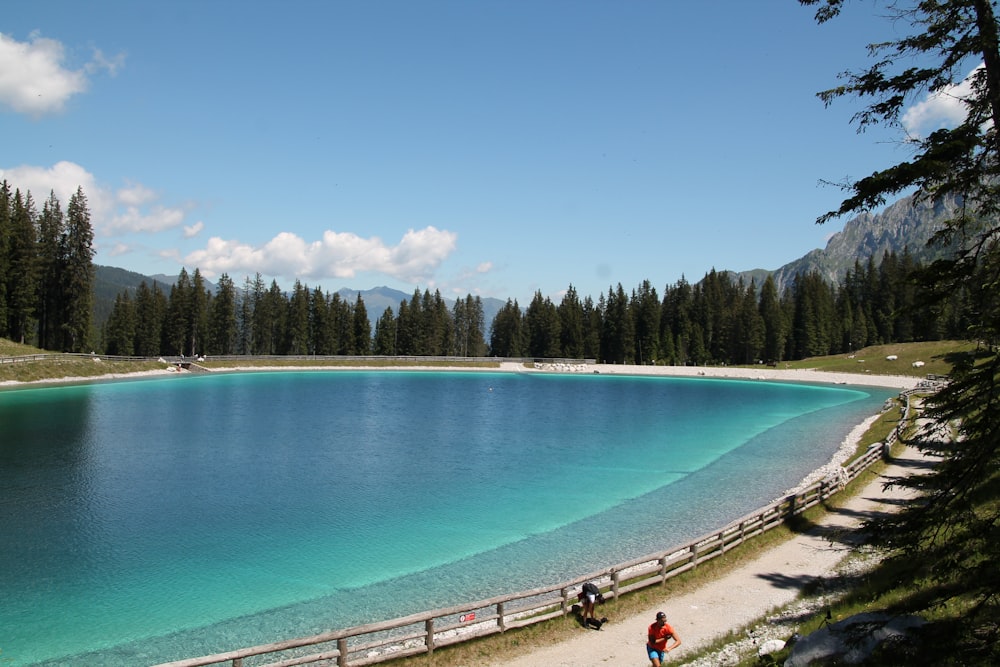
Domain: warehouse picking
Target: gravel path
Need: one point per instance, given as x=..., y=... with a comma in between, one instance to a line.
x=772, y=580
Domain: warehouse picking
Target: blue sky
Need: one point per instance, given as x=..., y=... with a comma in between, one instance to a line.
x=484, y=147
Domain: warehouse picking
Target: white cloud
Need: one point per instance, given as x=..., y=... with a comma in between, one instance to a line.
x=945, y=108
x=101, y=62
x=112, y=213
x=63, y=178
x=191, y=231
x=335, y=255
x=484, y=267
x=136, y=219
x=136, y=195
x=32, y=77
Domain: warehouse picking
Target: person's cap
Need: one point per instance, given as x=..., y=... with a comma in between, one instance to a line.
x=660, y=616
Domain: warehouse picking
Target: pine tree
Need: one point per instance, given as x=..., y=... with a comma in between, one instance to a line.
x=297, y=332
x=200, y=303
x=22, y=280
x=319, y=323
x=119, y=331
x=342, y=324
x=51, y=228
x=571, y=324
x=275, y=309
x=222, y=329
x=618, y=334
x=384, y=344
x=361, y=328
x=645, y=308
x=77, y=274
x=150, y=312
x=475, y=336
x=769, y=306
x=177, y=326
x=507, y=337
x=542, y=323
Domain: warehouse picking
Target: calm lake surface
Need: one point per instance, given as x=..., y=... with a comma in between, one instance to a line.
x=151, y=520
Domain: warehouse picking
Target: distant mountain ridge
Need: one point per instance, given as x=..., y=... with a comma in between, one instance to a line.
x=906, y=224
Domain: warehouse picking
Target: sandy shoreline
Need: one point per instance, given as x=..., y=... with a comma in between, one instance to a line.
x=763, y=373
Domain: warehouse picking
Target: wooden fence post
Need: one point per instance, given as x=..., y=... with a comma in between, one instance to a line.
x=342, y=652
x=500, y=619
x=429, y=629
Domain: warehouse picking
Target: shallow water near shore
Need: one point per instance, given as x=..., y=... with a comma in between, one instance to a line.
x=151, y=520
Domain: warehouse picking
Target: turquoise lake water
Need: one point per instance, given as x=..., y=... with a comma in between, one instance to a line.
x=151, y=520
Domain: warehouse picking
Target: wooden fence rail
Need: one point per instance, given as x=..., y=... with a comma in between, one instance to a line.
x=425, y=631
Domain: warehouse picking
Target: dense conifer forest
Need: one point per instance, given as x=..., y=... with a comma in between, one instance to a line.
x=46, y=271
x=47, y=282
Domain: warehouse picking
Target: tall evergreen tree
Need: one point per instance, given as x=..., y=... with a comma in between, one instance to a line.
x=177, y=326
x=467, y=316
x=222, y=329
x=119, y=330
x=384, y=343
x=475, y=334
x=645, y=308
x=275, y=307
x=361, y=327
x=6, y=201
x=618, y=334
x=77, y=274
x=320, y=324
x=22, y=280
x=507, y=336
x=342, y=324
x=51, y=228
x=748, y=329
x=813, y=325
x=542, y=323
x=774, y=321
x=297, y=331
x=150, y=312
x=261, y=341
x=593, y=323
x=199, y=302
x=951, y=541
x=571, y=324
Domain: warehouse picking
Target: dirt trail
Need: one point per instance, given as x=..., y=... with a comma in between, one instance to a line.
x=772, y=580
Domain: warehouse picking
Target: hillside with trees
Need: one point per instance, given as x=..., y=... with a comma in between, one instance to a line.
x=46, y=271
x=725, y=318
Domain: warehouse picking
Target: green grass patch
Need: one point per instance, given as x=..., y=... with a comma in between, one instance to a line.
x=938, y=356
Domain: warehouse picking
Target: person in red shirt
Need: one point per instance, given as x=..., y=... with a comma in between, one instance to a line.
x=659, y=634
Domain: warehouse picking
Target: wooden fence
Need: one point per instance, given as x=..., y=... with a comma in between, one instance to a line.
x=426, y=631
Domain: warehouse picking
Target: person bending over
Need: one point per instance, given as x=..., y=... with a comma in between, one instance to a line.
x=588, y=597
x=659, y=634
